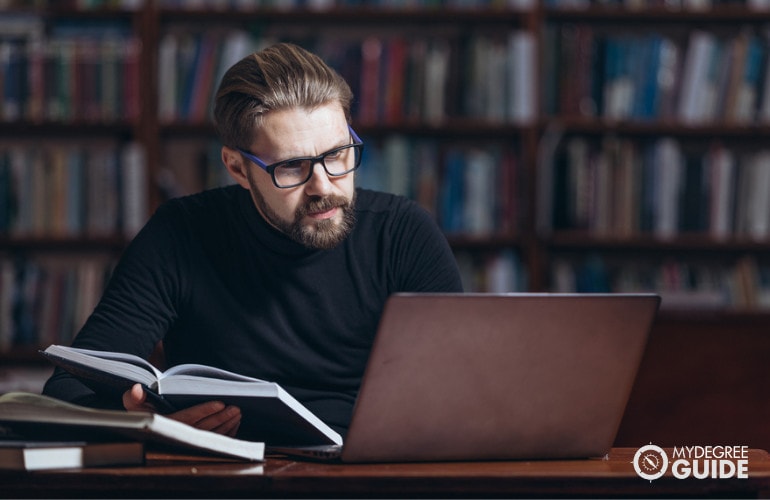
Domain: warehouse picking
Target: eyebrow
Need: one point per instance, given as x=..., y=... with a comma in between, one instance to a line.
x=310, y=156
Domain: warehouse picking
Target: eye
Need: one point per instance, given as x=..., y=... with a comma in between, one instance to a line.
x=334, y=155
x=292, y=168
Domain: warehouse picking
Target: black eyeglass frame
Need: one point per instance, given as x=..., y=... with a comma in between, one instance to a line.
x=270, y=169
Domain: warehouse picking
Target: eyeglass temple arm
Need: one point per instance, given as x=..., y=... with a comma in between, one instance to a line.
x=355, y=136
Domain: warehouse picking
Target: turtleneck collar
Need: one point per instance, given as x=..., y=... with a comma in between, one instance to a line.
x=265, y=233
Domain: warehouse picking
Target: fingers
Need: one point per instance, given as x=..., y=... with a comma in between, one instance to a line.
x=211, y=416
x=230, y=427
x=134, y=399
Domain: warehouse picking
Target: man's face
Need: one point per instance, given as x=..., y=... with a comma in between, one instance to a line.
x=319, y=213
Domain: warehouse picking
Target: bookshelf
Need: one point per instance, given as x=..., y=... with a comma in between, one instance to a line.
x=524, y=155
x=73, y=188
x=649, y=185
x=659, y=163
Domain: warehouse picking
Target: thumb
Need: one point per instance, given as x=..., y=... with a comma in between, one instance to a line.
x=134, y=398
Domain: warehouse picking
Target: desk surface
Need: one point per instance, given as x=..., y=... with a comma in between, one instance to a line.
x=186, y=476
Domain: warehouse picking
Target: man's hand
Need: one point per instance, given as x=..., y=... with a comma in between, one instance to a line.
x=210, y=416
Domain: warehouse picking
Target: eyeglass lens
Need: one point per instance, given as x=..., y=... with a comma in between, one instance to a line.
x=337, y=162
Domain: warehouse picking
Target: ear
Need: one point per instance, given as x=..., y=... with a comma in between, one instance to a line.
x=235, y=166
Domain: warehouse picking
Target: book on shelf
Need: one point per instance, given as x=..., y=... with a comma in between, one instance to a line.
x=683, y=285
x=133, y=188
x=437, y=77
x=49, y=455
x=425, y=80
x=749, y=91
x=28, y=416
x=722, y=167
x=521, y=69
x=451, y=202
x=696, y=84
x=662, y=189
x=753, y=217
x=97, y=189
x=707, y=77
x=72, y=72
x=480, y=182
x=371, y=55
x=46, y=299
x=731, y=75
x=396, y=154
x=270, y=413
x=396, y=65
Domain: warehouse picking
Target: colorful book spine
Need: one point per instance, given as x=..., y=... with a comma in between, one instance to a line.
x=682, y=284
x=626, y=188
x=70, y=75
x=64, y=191
x=395, y=79
x=471, y=191
x=47, y=299
x=651, y=77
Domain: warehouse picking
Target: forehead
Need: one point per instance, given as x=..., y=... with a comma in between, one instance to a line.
x=302, y=131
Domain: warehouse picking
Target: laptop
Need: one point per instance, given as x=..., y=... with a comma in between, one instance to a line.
x=496, y=377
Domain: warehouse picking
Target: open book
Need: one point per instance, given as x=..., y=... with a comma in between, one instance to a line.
x=270, y=414
x=34, y=417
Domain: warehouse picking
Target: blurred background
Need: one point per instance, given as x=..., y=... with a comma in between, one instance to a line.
x=562, y=146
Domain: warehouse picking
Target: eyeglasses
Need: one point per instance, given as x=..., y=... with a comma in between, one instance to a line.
x=297, y=171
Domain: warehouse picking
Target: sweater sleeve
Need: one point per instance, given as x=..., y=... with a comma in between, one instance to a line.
x=421, y=257
x=136, y=309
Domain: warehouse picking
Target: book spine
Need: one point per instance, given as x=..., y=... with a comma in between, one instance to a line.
x=134, y=186
x=74, y=73
x=682, y=284
x=66, y=191
x=625, y=187
x=695, y=78
x=521, y=69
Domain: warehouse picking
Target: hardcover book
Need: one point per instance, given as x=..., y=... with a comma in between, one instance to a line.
x=48, y=455
x=33, y=417
x=270, y=413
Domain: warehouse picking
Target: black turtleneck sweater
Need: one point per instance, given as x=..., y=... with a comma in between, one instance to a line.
x=219, y=286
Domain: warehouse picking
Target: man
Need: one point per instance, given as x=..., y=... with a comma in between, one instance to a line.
x=282, y=276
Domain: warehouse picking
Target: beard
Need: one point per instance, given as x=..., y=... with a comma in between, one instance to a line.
x=320, y=235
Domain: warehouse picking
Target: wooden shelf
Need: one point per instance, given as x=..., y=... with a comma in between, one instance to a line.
x=63, y=12
x=579, y=240
x=654, y=128
x=492, y=242
x=73, y=129
x=716, y=15
x=450, y=128
x=111, y=244
x=348, y=15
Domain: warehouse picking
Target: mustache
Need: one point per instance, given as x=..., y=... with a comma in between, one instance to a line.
x=322, y=204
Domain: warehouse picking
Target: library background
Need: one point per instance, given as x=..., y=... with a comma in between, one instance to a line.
x=562, y=145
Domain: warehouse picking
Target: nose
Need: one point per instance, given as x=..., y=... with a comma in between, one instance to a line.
x=319, y=183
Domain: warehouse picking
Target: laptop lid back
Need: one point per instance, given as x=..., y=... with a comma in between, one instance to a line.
x=499, y=376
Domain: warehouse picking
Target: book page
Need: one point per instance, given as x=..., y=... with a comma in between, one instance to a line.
x=209, y=388
x=122, y=364
x=207, y=371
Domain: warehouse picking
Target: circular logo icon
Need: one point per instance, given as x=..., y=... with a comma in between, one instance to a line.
x=650, y=462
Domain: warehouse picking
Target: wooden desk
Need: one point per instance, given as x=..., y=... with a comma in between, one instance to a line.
x=167, y=476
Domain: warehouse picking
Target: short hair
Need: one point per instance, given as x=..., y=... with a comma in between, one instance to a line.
x=282, y=76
